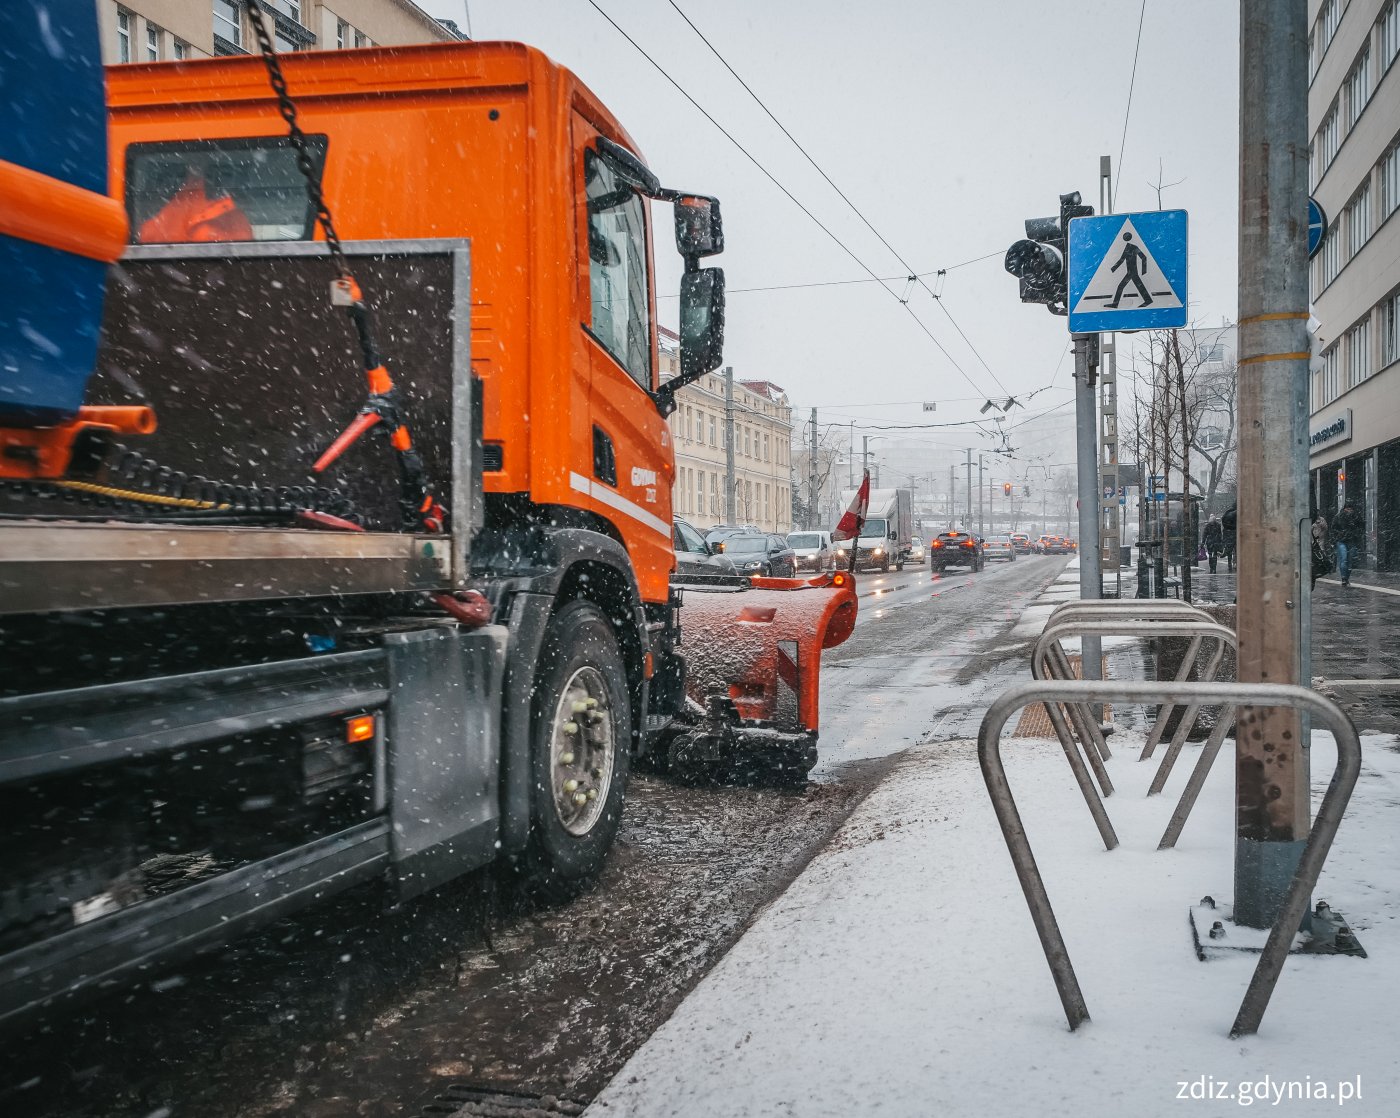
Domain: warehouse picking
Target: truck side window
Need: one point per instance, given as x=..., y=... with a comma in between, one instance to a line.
x=241, y=189
x=617, y=269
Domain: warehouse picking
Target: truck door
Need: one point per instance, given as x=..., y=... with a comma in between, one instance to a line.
x=633, y=465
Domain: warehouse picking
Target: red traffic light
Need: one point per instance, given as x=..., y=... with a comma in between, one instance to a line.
x=1006, y=488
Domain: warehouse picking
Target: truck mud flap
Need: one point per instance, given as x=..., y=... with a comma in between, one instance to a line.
x=443, y=759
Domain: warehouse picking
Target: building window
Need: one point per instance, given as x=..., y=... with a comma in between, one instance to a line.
x=181, y=50
x=712, y=431
x=1358, y=341
x=341, y=30
x=1321, y=38
x=1389, y=27
x=1328, y=376
x=152, y=42
x=291, y=8
x=1358, y=220
x=1329, y=138
x=1356, y=90
x=1212, y=353
x=1390, y=329
x=1390, y=180
x=766, y=457
x=227, y=24
x=1330, y=258
x=123, y=35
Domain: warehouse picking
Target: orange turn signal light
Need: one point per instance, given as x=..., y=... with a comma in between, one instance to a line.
x=360, y=728
x=841, y=578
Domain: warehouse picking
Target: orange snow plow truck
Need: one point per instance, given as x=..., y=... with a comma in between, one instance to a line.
x=305, y=634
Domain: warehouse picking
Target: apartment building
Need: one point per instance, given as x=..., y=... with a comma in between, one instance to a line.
x=1354, y=112
x=161, y=30
x=700, y=430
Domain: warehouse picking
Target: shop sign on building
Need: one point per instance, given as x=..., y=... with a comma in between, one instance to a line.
x=1329, y=432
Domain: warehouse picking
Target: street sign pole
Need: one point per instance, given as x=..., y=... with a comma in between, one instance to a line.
x=1086, y=439
x=1271, y=757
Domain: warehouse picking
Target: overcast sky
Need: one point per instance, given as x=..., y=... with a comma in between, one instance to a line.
x=946, y=124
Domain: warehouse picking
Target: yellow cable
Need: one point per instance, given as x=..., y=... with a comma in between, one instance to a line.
x=138, y=495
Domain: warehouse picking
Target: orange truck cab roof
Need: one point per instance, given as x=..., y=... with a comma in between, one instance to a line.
x=490, y=142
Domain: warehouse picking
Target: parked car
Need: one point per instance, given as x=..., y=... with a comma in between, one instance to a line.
x=754, y=553
x=814, y=550
x=1021, y=542
x=693, y=555
x=723, y=531
x=999, y=547
x=955, y=549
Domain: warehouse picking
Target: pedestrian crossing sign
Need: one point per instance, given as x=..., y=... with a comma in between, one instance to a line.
x=1127, y=271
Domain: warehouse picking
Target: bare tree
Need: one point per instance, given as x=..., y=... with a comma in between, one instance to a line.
x=812, y=474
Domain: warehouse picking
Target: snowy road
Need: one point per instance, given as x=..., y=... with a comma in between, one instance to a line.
x=925, y=650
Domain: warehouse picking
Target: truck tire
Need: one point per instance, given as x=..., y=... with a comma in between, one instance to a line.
x=581, y=734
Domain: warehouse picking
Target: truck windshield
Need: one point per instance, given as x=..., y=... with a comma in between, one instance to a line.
x=246, y=189
x=877, y=527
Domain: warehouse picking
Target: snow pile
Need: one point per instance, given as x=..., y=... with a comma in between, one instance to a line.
x=901, y=973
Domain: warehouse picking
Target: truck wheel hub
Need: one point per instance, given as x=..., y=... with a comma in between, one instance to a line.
x=581, y=751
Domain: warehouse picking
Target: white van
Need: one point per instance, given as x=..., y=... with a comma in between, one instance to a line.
x=814, y=550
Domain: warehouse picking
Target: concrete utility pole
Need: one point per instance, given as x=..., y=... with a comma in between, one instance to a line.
x=981, y=489
x=1271, y=757
x=1086, y=437
x=812, y=477
x=969, y=488
x=730, y=512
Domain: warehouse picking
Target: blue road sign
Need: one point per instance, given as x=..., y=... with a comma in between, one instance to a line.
x=1127, y=271
x=1317, y=227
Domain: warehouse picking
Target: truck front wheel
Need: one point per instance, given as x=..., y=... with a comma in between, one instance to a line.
x=581, y=733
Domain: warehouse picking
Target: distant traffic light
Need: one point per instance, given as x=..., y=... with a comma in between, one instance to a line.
x=1006, y=488
x=1039, y=261
x=1025, y=491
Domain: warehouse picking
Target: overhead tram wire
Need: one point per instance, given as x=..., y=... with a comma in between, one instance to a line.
x=938, y=299
x=840, y=283
x=791, y=197
x=1132, y=81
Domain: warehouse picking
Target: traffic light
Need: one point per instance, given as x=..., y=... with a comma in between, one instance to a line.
x=1039, y=261
x=1025, y=491
x=1006, y=488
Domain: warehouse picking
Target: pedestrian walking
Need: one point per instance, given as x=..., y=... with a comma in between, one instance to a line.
x=1228, y=528
x=1347, y=529
x=1321, y=554
x=1213, y=540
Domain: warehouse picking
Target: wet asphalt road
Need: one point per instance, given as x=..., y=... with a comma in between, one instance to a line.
x=349, y=1010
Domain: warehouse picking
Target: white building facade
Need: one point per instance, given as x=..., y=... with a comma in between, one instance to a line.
x=173, y=30
x=1354, y=113
x=761, y=422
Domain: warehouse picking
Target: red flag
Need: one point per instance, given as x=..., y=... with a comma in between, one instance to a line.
x=853, y=519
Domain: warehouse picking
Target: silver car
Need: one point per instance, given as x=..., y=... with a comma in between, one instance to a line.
x=999, y=547
x=814, y=550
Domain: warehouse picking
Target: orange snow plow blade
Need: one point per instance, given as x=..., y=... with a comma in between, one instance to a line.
x=753, y=667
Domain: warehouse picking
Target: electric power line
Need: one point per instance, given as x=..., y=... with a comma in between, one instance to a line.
x=791, y=197
x=1132, y=80
x=844, y=197
x=839, y=283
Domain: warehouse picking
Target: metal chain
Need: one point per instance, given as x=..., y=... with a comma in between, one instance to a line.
x=288, y=110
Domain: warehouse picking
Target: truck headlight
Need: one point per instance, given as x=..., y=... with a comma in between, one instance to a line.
x=878, y=551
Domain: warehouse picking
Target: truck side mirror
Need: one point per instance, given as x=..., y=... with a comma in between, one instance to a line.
x=702, y=322
x=699, y=230
x=702, y=333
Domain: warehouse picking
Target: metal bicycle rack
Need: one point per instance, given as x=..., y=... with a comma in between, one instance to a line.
x=1324, y=829
x=1112, y=622
x=1131, y=609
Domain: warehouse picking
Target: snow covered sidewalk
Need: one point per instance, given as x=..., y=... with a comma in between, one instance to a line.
x=901, y=974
